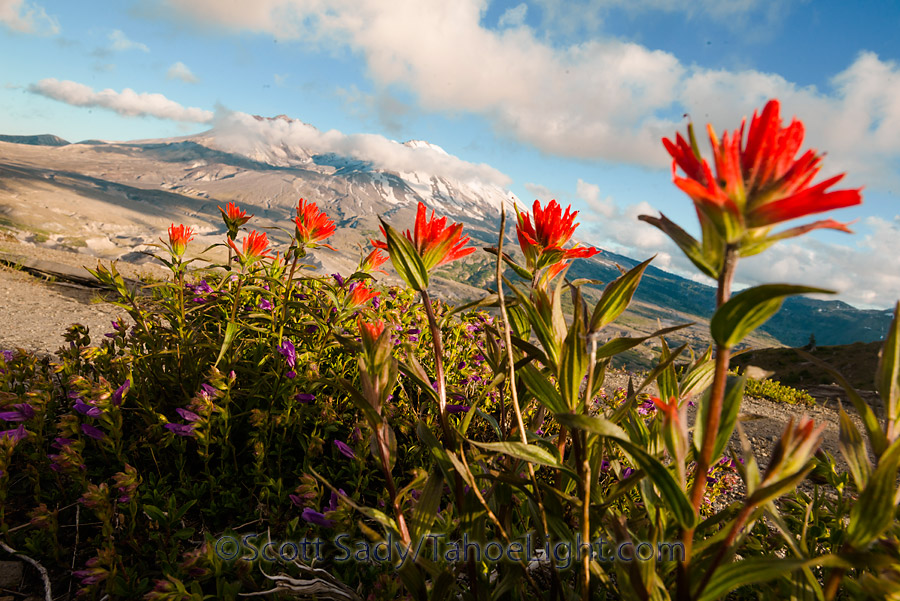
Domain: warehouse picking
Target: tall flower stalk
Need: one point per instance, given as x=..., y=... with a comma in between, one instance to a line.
x=759, y=183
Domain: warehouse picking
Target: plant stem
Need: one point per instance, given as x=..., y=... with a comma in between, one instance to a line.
x=289, y=285
x=449, y=440
x=513, y=393
x=739, y=522
x=713, y=417
x=392, y=488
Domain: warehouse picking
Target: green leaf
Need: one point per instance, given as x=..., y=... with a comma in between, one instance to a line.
x=437, y=450
x=520, y=450
x=854, y=451
x=887, y=378
x=669, y=489
x=622, y=410
x=667, y=380
x=155, y=514
x=518, y=321
x=426, y=508
x=699, y=377
x=617, y=296
x=573, y=359
x=749, y=309
x=756, y=570
x=541, y=388
x=731, y=405
x=520, y=271
x=414, y=370
x=405, y=259
x=231, y=331
x=873, y=513
x=687, y=243
x=618, y=345
x=592, y=424
x=544, y=330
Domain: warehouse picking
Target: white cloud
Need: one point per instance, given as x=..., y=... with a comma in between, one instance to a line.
x=250, y=136
x=601, y=99
x=619, y=229
x=120, y=42
x=25, y=17
x=513, y=17
x=127, y=103
x=865, y=275
x=540, y=192
x=180, y=71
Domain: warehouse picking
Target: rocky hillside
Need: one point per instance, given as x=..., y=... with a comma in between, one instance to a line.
x=114, y=199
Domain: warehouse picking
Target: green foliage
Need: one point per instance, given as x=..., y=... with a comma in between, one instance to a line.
x=259, y=407
x=778, y=392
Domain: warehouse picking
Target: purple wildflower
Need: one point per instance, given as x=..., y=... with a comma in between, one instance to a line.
x=338, y=278
x=376, y=302
x=458, y=408
x=646, y=408
x=60, y=443
x=287, y=349
x=295, y=499
x=265, y=305
x=333, y=500
x=23, y=412
x=345, y=450
x=187, y=414
x=413, y=338
x=627, y=472
x=414, y=331
x=7, y=355
x=116, y=397
x=16, y=434
x=305, y=397
x=180, y=429
x=460, y=365
x=85, y=409
x=314, y=517
x=91, y=431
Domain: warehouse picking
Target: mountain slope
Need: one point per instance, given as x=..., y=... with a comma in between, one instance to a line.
x=116, y=198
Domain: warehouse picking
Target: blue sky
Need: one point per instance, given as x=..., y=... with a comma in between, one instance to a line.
x=565, y=100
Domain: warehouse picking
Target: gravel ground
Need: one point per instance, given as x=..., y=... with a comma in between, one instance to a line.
x=35, y=312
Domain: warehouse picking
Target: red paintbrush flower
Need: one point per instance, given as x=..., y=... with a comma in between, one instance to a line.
x=369, y=331
x=758, y=183
x=313, y=225
x=234, y=218
x=543, y=242
x=179, y=238
x=255, y=247
x=373, y=261
x=433, y=241
x=359, y=295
